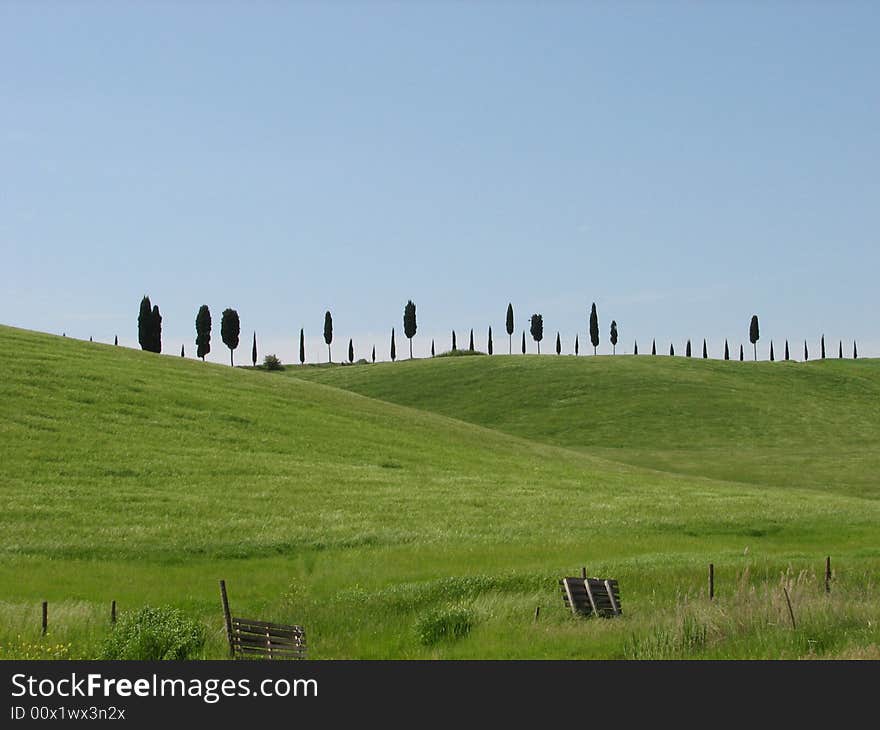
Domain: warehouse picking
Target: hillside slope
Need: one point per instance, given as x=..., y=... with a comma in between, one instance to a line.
x=814, y=424
x=143, y=479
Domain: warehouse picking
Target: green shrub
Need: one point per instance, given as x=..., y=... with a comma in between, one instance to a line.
x=271, y=362
x=437, y=624
x=154, y=633
x=460, y=353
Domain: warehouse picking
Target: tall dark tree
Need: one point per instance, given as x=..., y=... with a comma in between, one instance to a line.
x=613, y=337
x=855, y=351
x=393, y=347
x=653, y=347
x=374, y=354
x=156, y=329
x=471, y=342
x=203, y=332
x=116, y=340
x=772, y=358
x=328, y=333
x=741, y=358
x=230, y=328
x=671, y=350
x=350, y=351
x=726, y=351
x=254, y=351
x=454, y=347
x=489, y=347
x=594, y=327
x=754, y=334
x=302, y=346
x=409, y=323
x=577, y=345
x=432, y=348
x=145, y=324
x=524, y=342
x=687, y=349
x=510, y=328
x=840, y=351
x=635, y=347
x=558, y=345
x=536, y=328
x=806, y=353
x=182, y=353
x=823, y=347
x=787, y=356
x=705, y=350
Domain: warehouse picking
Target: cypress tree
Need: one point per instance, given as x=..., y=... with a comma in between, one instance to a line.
x=741, y=358
x=432, y=348
x=90, y=339
x=787, y=358
x=156, y=329
x=687, y=349
x=754, y=334
x=374, y=354
x=230, y=328
x=635, y=347
x=409, y=323
x=840, y=351
x=254, y=351
x=823, y=347
x=613, y=337
x=393, y=347
x=806, y=354
x=537, y=329
x=577, y=346
x=116, y=340
x=490, y=341
x=771, y=351
x=594, y=328
x=510, y=328
x=524, y=342
x=203, y=332
x=182, y=354
x=145, y=324
x=705, y=350
x=671, y=350
x=471, y=343
x=350, y=351
x=653, y=347
x=454, y=348
x=302, y=347
x=328, y=333
x=726, y=351
x=855, y=351
x=558, y=345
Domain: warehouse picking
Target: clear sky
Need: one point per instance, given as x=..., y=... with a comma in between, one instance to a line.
x=682, y=164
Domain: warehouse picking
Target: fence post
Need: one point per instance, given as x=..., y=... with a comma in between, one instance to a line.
x=828, y=574
x=45, y=616
x=113, y=612
x=711, y=581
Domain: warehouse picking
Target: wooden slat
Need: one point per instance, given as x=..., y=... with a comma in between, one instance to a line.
x=262, y=641
x=570, y=599
x=280, y=654
x=611, y=598
x=590, y=596
x=275, y=633
x=266, y=624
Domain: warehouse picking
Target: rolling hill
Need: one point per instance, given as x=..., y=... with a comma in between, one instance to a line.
x=142, y=478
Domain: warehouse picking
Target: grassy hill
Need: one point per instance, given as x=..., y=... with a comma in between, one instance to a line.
x=145, y=478
x=813, y=425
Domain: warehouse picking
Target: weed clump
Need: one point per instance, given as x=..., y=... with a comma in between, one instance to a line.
x=153, y=634
x=447, y=623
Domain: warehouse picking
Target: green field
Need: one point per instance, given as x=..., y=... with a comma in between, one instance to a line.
x=369, y=502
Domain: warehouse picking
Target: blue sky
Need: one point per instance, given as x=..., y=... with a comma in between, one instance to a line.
x=684, y=165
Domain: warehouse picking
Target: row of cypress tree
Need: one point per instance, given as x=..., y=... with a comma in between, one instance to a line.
x=150, y=335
